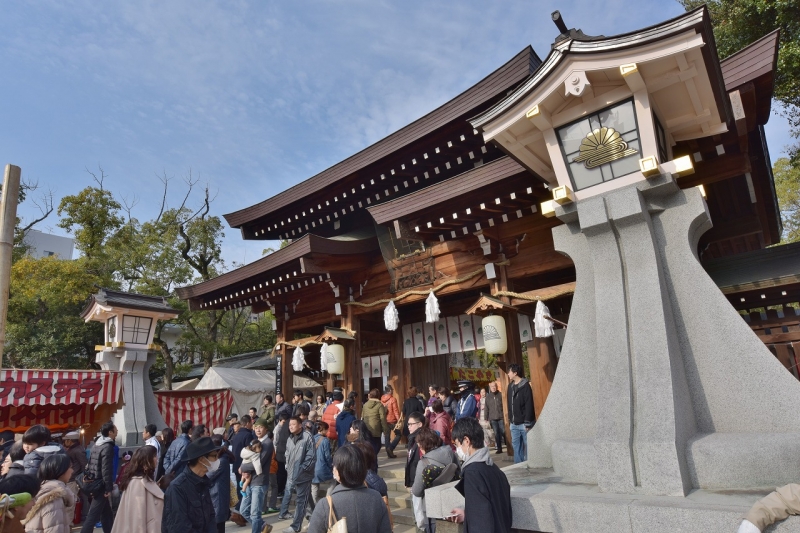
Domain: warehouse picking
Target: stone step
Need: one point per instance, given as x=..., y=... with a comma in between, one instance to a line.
x=400, y=500
x=404, y=517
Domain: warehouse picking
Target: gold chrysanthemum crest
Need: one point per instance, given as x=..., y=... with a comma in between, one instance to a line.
x=602, y=146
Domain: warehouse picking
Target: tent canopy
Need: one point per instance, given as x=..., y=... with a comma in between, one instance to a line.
x=248, y=387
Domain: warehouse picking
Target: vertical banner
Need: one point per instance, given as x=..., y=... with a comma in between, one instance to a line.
x=384, y=367
x=467, y=333
x=430, y=339
x=278, y=380
x=477, y=327
x=454, y=334
x=419, y=340
x=408, y=342
x=525, y=328
x=366, y=369
x=442, y=342
x=376, y=366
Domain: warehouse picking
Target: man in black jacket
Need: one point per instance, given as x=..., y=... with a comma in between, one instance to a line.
x=253, y=501
x=241, y=438
x=520, y=411
x=487, y=494
x=494, y=414
x=188, y=507
x=415, y=422
x=101, y=466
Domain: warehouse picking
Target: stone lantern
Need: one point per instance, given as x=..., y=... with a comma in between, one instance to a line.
x=130, y=322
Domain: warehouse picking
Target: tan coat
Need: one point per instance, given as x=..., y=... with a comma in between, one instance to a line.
x=140, y=509
x=775, y=506
x=53, y=510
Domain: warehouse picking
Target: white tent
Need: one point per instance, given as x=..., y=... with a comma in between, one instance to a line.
x=248, y=387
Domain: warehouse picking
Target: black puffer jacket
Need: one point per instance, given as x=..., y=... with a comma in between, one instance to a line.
x=449, y=405
x=187, y=505
x=101, y=462
x=281, y=438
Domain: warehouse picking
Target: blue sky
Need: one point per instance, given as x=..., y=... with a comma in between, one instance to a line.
x=252, y=97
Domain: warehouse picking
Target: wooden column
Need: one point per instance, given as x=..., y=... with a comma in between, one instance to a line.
x=352, y=377
x=504, y=385
x=542, y=361
x=286, y=371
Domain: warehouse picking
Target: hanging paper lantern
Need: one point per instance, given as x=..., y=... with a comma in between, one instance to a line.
x=298, y=359
x=323, y=356
x=541, y=326
x=495, y=341
x=335, y=359
x=431, y=308
x=391, y=318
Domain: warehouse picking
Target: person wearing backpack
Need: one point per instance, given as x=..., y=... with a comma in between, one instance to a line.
x=437, y=466
x=101, y=467
x=374, y=416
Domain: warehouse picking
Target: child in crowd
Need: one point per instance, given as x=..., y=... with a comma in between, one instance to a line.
x=37, y=443
x=250, y=455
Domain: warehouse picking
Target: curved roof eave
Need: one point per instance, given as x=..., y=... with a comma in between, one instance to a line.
x=693, y=19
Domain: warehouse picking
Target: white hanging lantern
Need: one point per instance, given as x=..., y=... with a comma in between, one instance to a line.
x=391, y=318
x=495, y=341
x=335, y=359
x=431, y=308
x=323, y=356
x=542, y=327
x=298, y=359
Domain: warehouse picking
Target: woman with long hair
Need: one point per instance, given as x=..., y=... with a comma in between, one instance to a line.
x=359, y=432
x=142, y=504
x=167, y=436
x=320, y=407
x=55, y=503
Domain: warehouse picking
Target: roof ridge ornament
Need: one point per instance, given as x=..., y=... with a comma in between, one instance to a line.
x=571, y=33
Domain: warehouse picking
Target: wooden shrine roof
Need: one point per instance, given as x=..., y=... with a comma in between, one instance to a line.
x=752, y=61
x=495, y=84
x=294, y=264
x=482, y=176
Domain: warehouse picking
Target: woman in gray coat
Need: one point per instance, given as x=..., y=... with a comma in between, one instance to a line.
x=362, y=506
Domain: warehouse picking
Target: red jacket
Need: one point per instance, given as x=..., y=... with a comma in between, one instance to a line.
x=392, y=410
x=441, y=422
x=329, y=417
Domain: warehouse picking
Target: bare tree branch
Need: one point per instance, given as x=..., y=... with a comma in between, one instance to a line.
x=128, y=205
x=99, y=180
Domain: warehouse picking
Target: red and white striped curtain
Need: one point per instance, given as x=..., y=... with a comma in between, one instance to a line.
x=58, y=387
x=209, y=407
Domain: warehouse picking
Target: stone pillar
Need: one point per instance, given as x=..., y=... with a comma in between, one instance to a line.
x=679, y=388
x=140, y=407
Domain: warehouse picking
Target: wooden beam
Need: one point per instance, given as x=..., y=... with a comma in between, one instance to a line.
x=542, y=361
x=544, y=294
x=717, y=169
x=729, y=230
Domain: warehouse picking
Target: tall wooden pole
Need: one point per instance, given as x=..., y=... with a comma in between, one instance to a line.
x=8, y=220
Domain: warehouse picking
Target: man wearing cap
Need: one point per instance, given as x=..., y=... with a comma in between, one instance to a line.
x=253, y=501
x=467, y=406
x=187, y=503
x=77, y=456
x=230, y=420
x=174, y=454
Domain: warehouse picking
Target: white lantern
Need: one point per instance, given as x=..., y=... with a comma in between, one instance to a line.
x=335, y=359
x=495, y=341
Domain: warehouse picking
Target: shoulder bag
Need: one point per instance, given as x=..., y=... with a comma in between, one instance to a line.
x=89, y=486
x=333, y=525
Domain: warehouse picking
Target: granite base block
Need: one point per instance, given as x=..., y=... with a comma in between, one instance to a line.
x=544, y=502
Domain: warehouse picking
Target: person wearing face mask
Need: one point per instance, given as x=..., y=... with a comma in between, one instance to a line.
x=187, y=504
x=487, y=494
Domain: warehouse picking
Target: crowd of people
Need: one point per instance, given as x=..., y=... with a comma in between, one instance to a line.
x=305, y=458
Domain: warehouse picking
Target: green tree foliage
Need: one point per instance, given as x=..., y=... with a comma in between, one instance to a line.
x=787, y=186
x=45, y=329
x=180, y=246
x=738, y=23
